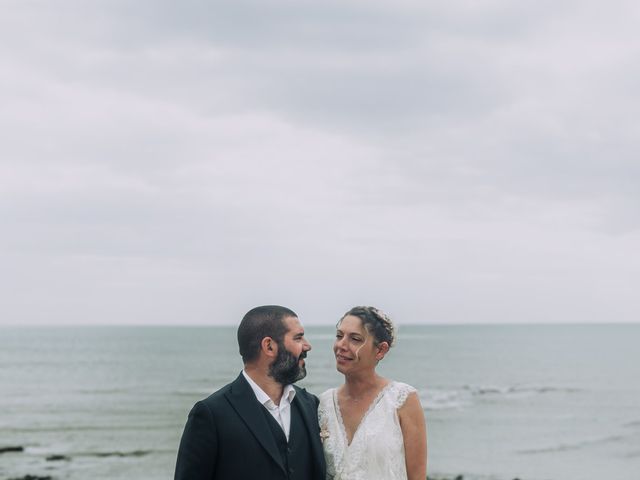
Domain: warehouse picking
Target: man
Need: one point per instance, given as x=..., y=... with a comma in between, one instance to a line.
x=259, y=426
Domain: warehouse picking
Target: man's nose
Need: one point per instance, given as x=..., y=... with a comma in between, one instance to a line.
x=307, y=345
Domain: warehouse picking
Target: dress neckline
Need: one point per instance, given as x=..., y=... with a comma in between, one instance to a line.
x=371, y=407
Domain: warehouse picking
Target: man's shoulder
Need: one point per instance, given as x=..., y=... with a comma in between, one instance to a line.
x=221, y=394
x=218, y=394
x=301, y=391
x=305, y=396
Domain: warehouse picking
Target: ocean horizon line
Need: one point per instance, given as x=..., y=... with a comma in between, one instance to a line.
x=312, y=325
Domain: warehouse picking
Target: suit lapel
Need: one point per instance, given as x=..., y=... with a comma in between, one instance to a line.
x=310, y=418
x=244, y=402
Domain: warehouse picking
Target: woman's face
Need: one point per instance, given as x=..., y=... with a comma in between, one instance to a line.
x=354, y=346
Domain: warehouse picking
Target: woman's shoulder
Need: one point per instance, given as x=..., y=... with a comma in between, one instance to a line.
x=399, y=392
x=327, y=395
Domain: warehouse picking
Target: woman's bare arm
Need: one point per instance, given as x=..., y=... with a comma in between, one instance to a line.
x=414, y=434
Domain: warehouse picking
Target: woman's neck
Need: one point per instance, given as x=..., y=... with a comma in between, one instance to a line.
x=360, y=384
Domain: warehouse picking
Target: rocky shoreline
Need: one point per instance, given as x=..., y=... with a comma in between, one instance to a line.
x=457, y=477
x=32, y=477
x=48, y=477
x=11, y=449
x=66, y=458
x=136, y=453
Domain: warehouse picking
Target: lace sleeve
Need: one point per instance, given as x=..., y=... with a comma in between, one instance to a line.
x=401, y=393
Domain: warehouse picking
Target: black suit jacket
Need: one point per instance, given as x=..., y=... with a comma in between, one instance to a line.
x=227, y=437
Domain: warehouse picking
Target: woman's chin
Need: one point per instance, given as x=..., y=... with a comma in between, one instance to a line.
x=342, y=366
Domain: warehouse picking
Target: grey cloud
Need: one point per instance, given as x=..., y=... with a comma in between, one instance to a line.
x=453, y=162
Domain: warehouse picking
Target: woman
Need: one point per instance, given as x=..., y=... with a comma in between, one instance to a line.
x=372, y=428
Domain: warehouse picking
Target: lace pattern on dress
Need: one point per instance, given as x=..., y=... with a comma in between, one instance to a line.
x=372, y=405
x=376, y=450
x=404, y=391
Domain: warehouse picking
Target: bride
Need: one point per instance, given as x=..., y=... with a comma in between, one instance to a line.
x=372, y=428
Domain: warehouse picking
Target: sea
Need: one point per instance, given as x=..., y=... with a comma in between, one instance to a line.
x=533, y=402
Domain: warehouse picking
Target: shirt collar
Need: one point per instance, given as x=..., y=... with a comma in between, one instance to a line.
x=288, y=393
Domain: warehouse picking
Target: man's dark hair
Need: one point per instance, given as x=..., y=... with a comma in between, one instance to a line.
x=258, y=323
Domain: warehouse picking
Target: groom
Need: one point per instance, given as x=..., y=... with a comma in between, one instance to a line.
x=259, y=425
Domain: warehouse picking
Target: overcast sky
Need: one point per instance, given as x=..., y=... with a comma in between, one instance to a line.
x=447, y=161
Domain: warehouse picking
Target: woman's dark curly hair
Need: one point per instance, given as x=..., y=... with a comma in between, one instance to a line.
x=376, y=322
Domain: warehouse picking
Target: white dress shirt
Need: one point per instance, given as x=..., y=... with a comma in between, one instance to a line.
x=281, y=413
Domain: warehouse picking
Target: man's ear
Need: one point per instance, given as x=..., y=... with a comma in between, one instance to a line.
x=383, y=348
x=269, y=347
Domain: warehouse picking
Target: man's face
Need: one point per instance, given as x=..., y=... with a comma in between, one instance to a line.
x=289, y=366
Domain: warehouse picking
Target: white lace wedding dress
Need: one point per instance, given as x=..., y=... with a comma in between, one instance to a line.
x=376, y=451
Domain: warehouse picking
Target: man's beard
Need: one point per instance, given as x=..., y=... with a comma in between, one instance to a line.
x=286, y=368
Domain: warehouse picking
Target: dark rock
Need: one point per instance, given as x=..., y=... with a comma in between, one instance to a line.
x=135, y=453
x=55, y=458
x=11, y=449
x=32, y=477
